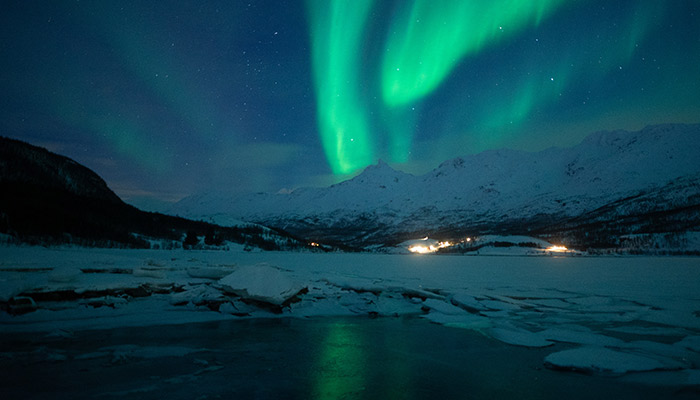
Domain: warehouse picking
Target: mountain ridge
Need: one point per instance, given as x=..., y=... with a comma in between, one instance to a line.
x=489, y=192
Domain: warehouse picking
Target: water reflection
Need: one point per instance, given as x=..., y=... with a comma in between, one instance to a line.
x=342, y=363
x=325, y=358
x=351, y=364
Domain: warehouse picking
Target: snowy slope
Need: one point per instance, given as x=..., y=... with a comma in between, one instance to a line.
x=493, y=188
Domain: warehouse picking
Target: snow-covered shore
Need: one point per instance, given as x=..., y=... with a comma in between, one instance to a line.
x=616, y=314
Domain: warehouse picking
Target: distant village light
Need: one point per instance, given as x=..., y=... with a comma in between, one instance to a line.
x=557, y=249
x=423, y=249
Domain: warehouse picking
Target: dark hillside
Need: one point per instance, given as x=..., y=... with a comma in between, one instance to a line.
x=46, y=198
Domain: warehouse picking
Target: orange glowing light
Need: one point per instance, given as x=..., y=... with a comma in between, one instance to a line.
x=557, y=249
x=421, y=249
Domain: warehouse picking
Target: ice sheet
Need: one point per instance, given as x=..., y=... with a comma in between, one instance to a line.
x=639, y=311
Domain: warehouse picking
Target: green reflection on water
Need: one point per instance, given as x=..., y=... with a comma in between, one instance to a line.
x=342, y=362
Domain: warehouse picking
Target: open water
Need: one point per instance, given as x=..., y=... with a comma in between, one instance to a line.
x=319, y=358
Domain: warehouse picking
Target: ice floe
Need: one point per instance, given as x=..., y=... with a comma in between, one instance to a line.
x=264, y=283
x=214, y=273
x=578, y=335
x=601, y=359
x=518, y=337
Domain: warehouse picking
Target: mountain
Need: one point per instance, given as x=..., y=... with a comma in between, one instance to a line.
x=46, y=198
x=591, y=195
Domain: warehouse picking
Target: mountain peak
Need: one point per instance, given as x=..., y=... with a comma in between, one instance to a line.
x=379, y=173
x=381, y=164
x=455, y=163
x=380, y=168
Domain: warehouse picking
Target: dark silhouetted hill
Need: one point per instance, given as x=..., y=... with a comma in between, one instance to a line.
x=47, y=199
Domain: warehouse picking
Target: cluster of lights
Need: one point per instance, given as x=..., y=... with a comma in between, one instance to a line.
x=314, y=244
x=432, y=248
x=421, y=249
x=557, y=249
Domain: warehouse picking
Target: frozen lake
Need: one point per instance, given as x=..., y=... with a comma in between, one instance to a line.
x=189, y=324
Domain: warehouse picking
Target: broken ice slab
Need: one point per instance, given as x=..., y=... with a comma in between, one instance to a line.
x=464, y=321
x=510, y=334
x=604, y=360
x=213, y=273
x=442, y=307
x=468, y=303
x=263, y=283
x=579, y=335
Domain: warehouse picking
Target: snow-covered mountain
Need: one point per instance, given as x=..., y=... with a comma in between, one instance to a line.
x=610, y=175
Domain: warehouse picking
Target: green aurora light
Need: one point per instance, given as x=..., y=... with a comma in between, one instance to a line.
x=545, y=81
x=336, y=33
x=426, y=42
x=165, y=100
x=429, y=40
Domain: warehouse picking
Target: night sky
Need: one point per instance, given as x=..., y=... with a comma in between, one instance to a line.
x=168, y=98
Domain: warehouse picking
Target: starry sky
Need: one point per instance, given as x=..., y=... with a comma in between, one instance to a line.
x=164, y=99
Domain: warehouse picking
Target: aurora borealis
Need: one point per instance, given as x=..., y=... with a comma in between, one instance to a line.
x=427, y=42
x=169, y=99
x=336, y=34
